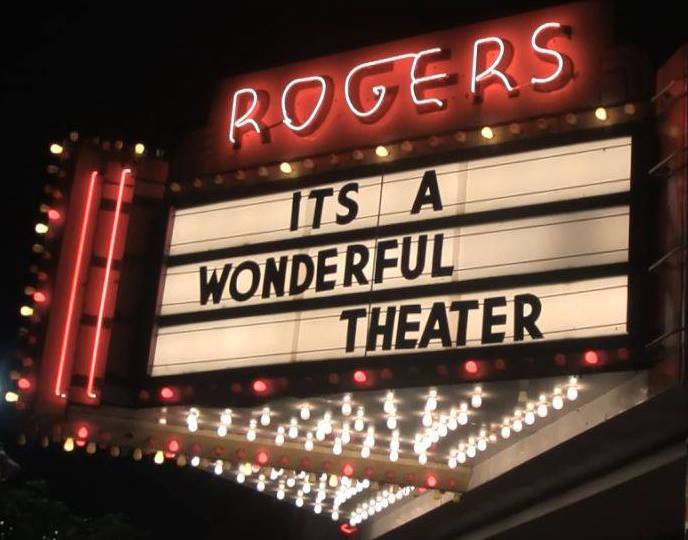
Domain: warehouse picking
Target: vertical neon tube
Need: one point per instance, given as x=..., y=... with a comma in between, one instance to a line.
x=75, y=285
x=106, y=281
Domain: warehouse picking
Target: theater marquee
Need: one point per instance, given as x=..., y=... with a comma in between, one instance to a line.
x=521, y=247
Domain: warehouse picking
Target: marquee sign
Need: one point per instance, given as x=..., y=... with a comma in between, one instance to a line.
x=503, y=70
x=464, y=254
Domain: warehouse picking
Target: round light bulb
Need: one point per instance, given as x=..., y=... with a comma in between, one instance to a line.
x=305, y=412
x=487, y=133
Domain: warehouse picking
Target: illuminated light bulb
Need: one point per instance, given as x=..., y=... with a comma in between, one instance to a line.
x=226, y=417
x=572, y=389
x=470, y=451
x=305, y=412
x=291, y=482
x=293, y=429
x=11, y=397
x=529, y=417
x=452, y=422
x=542, y=407
x=306, y=487
x=601, y=114
x=442, y=428
x=41, y=228
x=308, y=445
x=463, y=416
x=346, y=433
x=487, y=133
x=346, y=405
x=286, y=167
x=139, y=149
x=159, y=458
x=320, y=433
x=317, y=508
x=195, y=461
x=365, y=452
x=251, y=433
x=192, y=415
x=381, y=151
x=240, y=477
x=451, y=462
x=418, y=445
x=56, y=149
x=477, y=397
x=557, y=400
x=388, y=406
x=482, y=444
x=279, y=438
x=427, y=420
x=222, y=430
x=423, y=458
x=461, y=457
x=517, y=425
x=334, y=515
x=392, y=422
x=299, y=501
x=431, y=403
x=370, y=437
x=505, y=432
x=26, y=311
x=260, y=486
x=265, y=417
x=280, y=493
x=434, y=437
x=337, y=446
x=393, y=456
x=358, y=424
x=68, y=444
x=218, y=467
x=327, y=423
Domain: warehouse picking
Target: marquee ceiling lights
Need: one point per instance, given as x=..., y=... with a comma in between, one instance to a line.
x=439, y=428
x=477, y=136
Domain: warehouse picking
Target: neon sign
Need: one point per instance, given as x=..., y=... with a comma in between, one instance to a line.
x=494, y=72
x=497, y=69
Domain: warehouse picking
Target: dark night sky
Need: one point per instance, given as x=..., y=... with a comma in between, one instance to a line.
x=143, y=74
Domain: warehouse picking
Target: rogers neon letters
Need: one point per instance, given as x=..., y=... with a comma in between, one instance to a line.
x=424, y=70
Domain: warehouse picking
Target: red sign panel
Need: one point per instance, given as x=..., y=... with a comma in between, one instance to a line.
x=518, y=67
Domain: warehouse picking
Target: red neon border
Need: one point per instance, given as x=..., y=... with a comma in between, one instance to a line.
x=106, y=280
x=75, y=284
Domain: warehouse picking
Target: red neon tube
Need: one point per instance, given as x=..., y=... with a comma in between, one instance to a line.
x=75, y=285
x=106, y=281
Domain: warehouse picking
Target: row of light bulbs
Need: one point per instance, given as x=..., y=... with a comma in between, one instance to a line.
x=488, y=133
x=434, y=425
x=522, y=417
x=377, y=504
